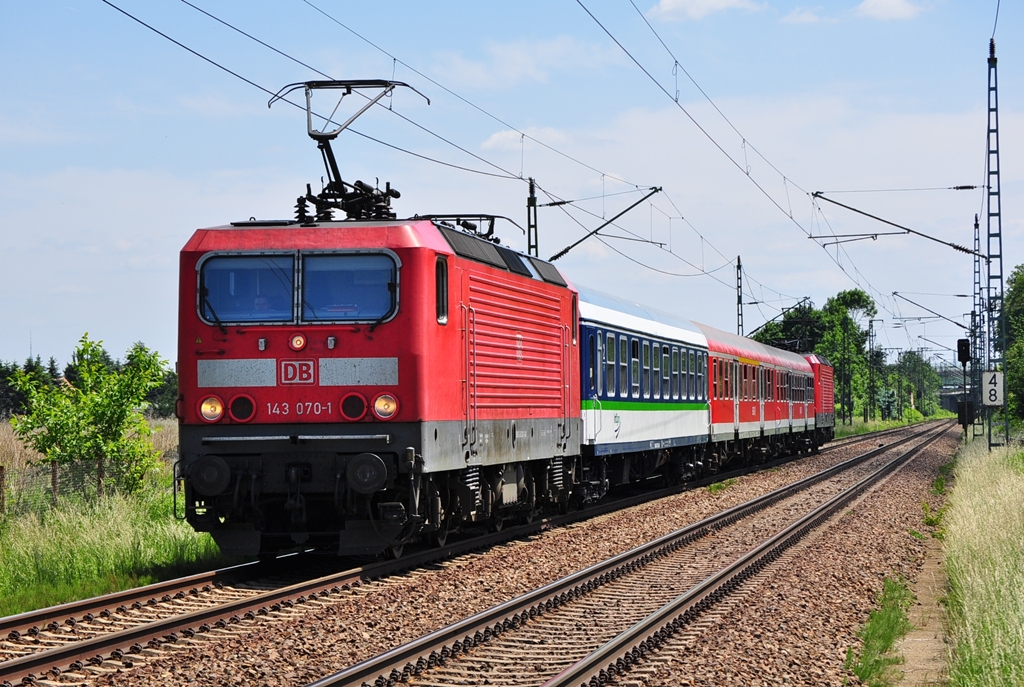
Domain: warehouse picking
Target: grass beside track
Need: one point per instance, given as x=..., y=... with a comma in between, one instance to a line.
x=861, y=427
x=984, y=541
x=86, y=548
x=876, y=663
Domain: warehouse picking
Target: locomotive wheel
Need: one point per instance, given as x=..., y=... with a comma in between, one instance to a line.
x=496, y=524
x=395, y=551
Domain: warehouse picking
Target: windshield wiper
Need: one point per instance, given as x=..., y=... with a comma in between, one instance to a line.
x=209, y=305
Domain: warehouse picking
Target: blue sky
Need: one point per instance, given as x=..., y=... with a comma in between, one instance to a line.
x=116, y=144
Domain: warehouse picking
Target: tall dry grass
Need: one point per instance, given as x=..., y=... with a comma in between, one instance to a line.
x=13, y=454
x=16, y=456
x=984, y=544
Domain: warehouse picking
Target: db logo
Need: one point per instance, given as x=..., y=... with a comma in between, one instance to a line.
x=297, y=372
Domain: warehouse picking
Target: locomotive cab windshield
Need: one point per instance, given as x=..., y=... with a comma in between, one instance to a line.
x=332, y=287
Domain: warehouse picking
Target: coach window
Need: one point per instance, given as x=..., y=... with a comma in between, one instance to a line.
x=441, y=289
x=666, y=373
x=634, y=358
x=355, y=287
x=702, y=359
x=692, y=389
x=609, y=352
x=623, y=367
x=714, y=379
x=675, y=373
x=686, y=364
x=656, y=372
x=647, y=369
x=247, y=288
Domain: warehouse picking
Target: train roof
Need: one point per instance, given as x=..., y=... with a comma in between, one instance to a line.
x=444, y=237
x=611, y=310
x=817, y=359
x=742, y=347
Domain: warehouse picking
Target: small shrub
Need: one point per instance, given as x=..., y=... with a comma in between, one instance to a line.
x=720, y=486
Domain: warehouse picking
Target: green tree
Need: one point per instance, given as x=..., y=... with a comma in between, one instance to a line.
x=162, y=399
x=97, y=417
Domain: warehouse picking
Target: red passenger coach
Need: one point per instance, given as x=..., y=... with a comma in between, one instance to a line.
x=352, y=384
x=762, y=399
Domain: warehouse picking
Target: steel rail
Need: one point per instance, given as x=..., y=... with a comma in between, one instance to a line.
x=617, y=656
x=95, y=649
x=38, y=619
x=431, y=649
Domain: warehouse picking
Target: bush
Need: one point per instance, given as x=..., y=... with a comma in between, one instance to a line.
x=85, y=548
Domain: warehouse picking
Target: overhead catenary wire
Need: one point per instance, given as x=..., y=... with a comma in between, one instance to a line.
x=504, y=173
x=881, y=297
x=523, y=135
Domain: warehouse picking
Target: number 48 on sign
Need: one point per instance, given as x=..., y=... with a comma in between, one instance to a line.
x=992, y=388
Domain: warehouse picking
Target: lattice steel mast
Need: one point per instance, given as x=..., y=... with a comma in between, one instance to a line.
x=996, y=321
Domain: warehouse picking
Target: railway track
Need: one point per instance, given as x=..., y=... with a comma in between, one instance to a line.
x=74, y=642
x=595, y=624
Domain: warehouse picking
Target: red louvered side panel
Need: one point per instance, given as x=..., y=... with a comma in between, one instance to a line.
x=827, y=396
x=517, y=341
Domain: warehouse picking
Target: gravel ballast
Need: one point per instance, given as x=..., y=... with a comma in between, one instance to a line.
x=301, y=644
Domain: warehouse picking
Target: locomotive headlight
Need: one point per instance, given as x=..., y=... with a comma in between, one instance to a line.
x=385, y=406
x=297, y=342
x=212, y=408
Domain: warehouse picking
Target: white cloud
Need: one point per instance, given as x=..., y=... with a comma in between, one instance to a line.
x=805, y=15
x=523, y=61
x=888, y=9
x=698, y=9
x=512, y=140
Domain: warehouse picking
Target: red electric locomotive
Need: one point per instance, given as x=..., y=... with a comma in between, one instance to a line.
x=351, y=384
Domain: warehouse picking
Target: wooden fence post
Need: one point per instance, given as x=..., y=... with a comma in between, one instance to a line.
x=3, y=489
x=54, y=482
x=99, y=478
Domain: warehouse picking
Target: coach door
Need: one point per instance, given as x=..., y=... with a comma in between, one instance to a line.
x=762, y=385
x=736, y=384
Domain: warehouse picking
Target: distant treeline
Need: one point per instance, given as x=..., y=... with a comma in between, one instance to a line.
x=12, y=402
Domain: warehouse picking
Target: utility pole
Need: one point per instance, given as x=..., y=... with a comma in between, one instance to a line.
x=871, y=368
x=996, y=320
x=532, y=247
x=739, y=296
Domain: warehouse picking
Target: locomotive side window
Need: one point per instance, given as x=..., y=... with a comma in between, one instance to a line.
x=348, y=287
x=247, y=288
x=441, y=289
x=609, y=351
x=623, y=367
